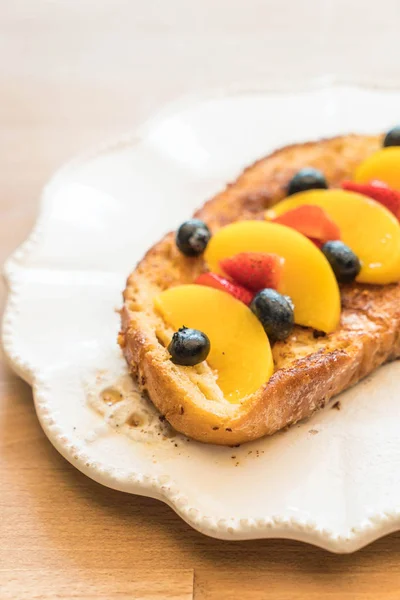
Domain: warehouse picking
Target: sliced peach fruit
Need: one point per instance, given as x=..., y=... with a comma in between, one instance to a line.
x=383, y=165
x=306, y=276
x=367, y=227
x=240, y=350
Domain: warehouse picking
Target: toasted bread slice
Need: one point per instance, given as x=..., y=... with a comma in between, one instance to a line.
x=309, y=369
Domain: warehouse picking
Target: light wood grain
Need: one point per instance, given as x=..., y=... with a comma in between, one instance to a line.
x=71, y=74
x=123, y=584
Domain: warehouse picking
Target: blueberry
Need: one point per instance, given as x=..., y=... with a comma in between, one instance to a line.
x=392, y=138
x=275, y=312
x=192, y=237
x=306, y=179
x=189, y=347
x=345, y=264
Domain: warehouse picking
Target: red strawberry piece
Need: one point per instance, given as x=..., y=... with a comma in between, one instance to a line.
x=254, y=270
x=318, y=243
x=379, y=191
x=312, y=221
x=225, y=285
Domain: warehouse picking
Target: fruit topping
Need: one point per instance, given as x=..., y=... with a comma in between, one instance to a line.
x=383, y=165
x=254, y=270
x=306, y=179
x=189, y=347
x=192, y=237
x=379, y=191
x=344, y=262
x=368, y=228
x=312, y=221
x=225, y=285
x=275, y=312
x=392, y=138
x=240, y=351
x=306, y=274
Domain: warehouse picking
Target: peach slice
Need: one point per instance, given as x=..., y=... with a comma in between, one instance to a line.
x=306, y=276
x=383, y=165
x=240, y=350
x=367, y=227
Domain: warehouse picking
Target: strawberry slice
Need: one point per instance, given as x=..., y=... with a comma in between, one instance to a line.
x=225, y=285
x=379, y=191
x=312, y=221
x=254, y=270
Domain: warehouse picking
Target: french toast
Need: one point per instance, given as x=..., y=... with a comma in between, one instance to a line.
x=309, y=368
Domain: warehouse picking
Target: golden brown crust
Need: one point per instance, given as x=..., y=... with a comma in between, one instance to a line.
x=309, y=370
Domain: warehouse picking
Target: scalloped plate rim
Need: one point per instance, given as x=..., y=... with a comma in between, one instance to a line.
x=357, y=537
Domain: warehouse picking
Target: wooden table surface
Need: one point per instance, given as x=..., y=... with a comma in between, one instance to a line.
x=71, y=74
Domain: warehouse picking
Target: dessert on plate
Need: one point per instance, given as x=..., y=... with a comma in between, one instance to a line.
x=281, y=291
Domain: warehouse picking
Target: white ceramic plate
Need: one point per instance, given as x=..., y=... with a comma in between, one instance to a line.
x=332, y=481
